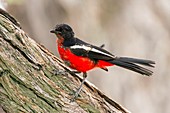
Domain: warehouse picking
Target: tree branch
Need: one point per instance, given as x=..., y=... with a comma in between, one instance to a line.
x=28, y=83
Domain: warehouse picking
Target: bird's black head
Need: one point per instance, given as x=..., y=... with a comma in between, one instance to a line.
x=63, y=30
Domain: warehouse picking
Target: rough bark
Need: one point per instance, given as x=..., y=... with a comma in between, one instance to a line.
x=28, y=82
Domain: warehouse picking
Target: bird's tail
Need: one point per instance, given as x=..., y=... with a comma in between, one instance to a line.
x=134, y=64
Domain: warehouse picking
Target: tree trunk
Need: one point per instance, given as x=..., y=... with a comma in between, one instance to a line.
x=28, y=82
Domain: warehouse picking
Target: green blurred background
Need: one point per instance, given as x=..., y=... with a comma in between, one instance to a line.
x=138, y=28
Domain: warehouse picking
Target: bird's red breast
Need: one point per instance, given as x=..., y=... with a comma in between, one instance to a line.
x=79, y=63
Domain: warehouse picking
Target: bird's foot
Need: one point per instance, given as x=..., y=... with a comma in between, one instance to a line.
x=59, y=72
x=79, y=88
x=75, y=95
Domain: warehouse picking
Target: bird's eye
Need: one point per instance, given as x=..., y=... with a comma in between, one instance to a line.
x=59, y=29
x=64, y=30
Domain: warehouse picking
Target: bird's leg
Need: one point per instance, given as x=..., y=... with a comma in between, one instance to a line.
x=80, y=87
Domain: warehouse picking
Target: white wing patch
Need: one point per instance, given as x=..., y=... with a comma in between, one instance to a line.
x=81, y=47
x=98, y=51
x=90, y=49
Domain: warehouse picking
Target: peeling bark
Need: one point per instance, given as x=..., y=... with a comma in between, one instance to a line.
x=28, y=82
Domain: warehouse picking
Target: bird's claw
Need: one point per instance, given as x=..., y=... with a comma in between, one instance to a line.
x=59, y=72
x=75, y=95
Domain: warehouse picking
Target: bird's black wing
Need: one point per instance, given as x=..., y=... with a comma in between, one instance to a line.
x=96, y=53
x=81, y=48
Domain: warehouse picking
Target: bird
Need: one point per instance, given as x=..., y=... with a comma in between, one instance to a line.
x=82, y=56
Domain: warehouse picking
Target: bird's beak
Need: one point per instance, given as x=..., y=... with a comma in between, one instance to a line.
x=52, y=31
x=56, y=32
